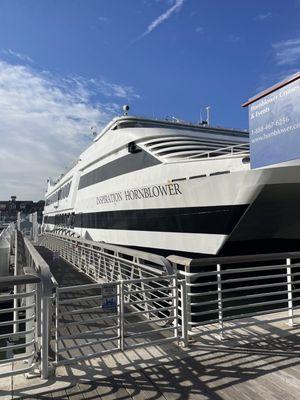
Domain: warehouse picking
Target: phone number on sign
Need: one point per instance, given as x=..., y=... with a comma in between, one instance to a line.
x=270, y=125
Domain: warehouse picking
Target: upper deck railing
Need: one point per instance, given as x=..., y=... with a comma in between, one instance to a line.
x=228, y=151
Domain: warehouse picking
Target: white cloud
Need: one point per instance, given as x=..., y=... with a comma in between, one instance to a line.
x=287, y=52
x=162, y=18
x=44, y=124
x=199, y=29
x=20, y=56
x=232, y=38
x=263, y=17
x=103, y=19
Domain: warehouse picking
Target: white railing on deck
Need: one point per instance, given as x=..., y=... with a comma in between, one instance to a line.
x=235, y=150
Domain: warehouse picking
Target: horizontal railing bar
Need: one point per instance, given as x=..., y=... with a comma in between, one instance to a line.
x=79, y=287
x=224, y=309
x=17, y=371
x=212, y=261
x=17, y=346
x=237, y=289
x=13, y=359
x=237, y=270
x=250, y=278
x=251, y=296
x=137, y=334
x=161, y=289
x=147, y=283
x=17, y=295
x=148, y=321
x=17, y=334
x=82, y=311
x=17, y=321
x=79, y=299
x=150, y=311
x=151, y=279
x=13, y=280
x=7, y=310
x=148, y=301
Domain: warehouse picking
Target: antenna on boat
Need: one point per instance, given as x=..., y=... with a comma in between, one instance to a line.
x=207, y=114
x=125, y=109
x=207, y=120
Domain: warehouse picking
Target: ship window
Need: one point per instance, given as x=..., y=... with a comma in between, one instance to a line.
x=120, y=166
x=60, y=194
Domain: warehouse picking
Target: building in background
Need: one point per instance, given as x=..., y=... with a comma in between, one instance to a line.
x=9, y=209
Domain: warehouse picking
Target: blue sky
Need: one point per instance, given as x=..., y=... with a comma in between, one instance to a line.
x=66, y=65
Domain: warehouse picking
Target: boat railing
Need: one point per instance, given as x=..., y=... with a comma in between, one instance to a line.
x=237, y=149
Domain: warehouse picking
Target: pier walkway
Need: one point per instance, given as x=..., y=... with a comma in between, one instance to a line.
x=258, y=358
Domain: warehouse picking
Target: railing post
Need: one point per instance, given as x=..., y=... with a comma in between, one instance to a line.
x=45, y=337
x=220, y=301
x=29, y=326
x=184, y=320
x=16, y=273
x=290, y=291
x=121, y=315
x=38, y=308
x=175, y=303
x=56, y=324
x=188, y=298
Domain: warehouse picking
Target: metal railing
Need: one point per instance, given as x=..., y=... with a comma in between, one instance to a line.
x=232, y=288
x=237, y=149
x=18, y=330
x=84, y=319
x=26, y=255
x=106, y=263
x=147, y=287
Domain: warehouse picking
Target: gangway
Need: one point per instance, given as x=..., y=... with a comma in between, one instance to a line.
x=125, y=299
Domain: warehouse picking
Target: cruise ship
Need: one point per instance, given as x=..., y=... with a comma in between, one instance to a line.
x=173, y=186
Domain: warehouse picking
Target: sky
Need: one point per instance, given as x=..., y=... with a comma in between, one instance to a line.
x=68, y=66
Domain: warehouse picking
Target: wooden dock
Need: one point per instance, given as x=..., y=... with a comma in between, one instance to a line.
x=258, y=358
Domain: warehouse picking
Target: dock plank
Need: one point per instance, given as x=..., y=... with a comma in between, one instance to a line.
x=59, y=394
x=89, y=390
x=74, y=393
x=111, y=388
x=140, y=387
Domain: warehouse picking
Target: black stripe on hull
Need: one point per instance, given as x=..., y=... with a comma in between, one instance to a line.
x=211, y=220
